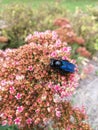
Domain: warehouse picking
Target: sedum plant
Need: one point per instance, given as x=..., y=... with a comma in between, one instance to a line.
x=32, y=95
x=66, y=33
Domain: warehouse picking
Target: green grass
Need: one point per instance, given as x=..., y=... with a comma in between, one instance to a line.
x=73, y=4
x=69, y=4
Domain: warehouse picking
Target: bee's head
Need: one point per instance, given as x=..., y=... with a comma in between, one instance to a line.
x=55, y=63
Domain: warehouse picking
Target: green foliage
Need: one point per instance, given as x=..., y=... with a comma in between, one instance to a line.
x=86, y=26
x=93, y=11
x=96, y=45
x=3, y=127
x=97, y=72
x=23, y=20
x=73, y=51
x=13, y=127
x=45, y=16
x=19, y=23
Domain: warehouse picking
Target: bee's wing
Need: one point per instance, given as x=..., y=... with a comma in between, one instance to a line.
x=67, y=66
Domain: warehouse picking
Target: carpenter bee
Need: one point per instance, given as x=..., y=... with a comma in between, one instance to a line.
x=62, y=66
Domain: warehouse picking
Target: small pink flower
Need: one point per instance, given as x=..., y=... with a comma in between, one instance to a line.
x=30, y=68
x=3, y=82
x=4, y=122
x=10, y=82
x=54, y=35
x=66, y=49
x=17, y=121
x=12, y=90
x=20, y=109
x=28, y=37
x=50, y=85
x=64, y=58
x=18, y=96
x=58, y=43
x=63, y=94
x=9, y=117
x=46, y=121
x=56, y=87
x=53, y=54
x=29, y=121
x=37, y=111
x=58, y=113
x=19, y=77
x=68, y=128
x=83, y=110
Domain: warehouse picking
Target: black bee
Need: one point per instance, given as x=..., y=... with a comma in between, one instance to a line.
x=63, y=66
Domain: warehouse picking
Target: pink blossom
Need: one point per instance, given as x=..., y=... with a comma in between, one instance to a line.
x=3, y=82
x=1, y=115
x=9, y=117
x=68, y=128
x=70, y=34
x=54, y=35
x=20, y=109
x=66, y=49
x=82, y=109
x=68, y=26
x=58, y=43
x=10, y=82
x=63, y=94
x=29, y=121
x=50, y=85
x=4, y=122
x=65, y=58
x=28, y=37
x=53, y=54
x=58, y=113
x=18, y=96
x=56, y=87
x=36, y=34
x=11, y=97
x=2, y=88
x=12, y=90
x=30, y=68
x=57, y=98
x=19, y=77
x=37, y=111
x=46, y=121
x=17, y=121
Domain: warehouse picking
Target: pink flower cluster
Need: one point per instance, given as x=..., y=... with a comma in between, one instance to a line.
x=28, y=85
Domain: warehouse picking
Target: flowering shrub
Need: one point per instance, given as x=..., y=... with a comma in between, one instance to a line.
x=19, y=26
x=32, y=94
x=84, y=24
x=66, y=33
x=83, y=52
